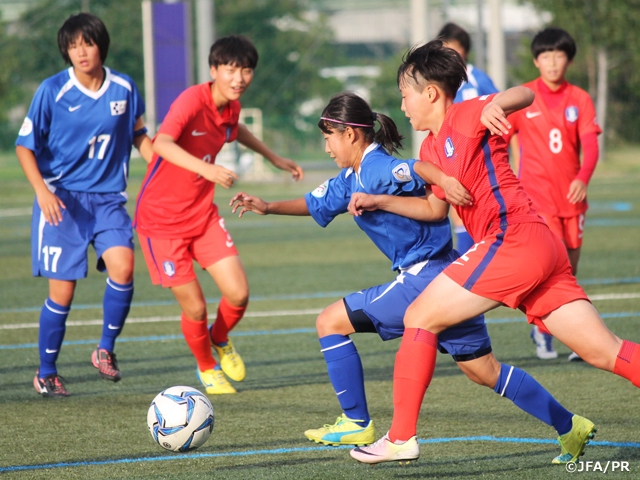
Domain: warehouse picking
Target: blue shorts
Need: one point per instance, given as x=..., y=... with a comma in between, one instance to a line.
x=99, y=219
x=381, y=309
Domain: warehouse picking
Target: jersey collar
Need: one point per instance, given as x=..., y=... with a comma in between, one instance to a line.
x=97, y=94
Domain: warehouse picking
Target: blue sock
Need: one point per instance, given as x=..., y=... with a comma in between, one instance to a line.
x=523, y=390
x=115, y=305
x=52, y=327
x=346, y=375
x=463, y=240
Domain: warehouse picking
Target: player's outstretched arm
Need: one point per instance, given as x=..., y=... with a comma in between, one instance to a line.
x=48, y=202
x=494, y=114
x=249, y=140
x=455, y=192
x=425, y=209
x=167, y=148
x=143, y=142
x=249, y=203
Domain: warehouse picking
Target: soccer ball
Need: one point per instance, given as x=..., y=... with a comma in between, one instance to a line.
x=180, y=418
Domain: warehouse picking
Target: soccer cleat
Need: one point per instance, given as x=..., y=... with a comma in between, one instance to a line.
x=215, y=382
x=572, y=444
x=384, y=450
x=106, y=362
x=230, y=361
x=344, y=432
x=574, y=357
x=544, y=347
x=50, y=386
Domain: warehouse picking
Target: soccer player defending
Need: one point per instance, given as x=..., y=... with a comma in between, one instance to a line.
x=477, y=84
x=177, y=221
x=517, y=261
x=419, y=249
x=74, y=148
x=551, y=131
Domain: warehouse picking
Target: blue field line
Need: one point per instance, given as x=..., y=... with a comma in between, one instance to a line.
x=290, y=296
x=279, y=451
x=286, y=331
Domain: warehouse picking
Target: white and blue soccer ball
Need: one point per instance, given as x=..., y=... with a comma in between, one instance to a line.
x=180, y=418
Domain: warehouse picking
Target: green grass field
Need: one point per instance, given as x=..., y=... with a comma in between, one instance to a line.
x=295, y=268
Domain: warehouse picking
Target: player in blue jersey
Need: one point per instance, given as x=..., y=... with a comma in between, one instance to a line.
x=418, y=249
x=478, y=83
x=74, y=148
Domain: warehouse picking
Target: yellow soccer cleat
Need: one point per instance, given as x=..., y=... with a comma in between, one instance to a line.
x=215, y=382
x=230, y=361
x=572, y=444
x=344, y=432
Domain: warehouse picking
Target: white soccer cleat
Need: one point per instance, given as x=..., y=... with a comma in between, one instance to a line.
x=544, y=346
x=384, y=450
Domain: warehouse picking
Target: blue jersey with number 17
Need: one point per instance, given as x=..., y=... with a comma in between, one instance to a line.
x=403, y=240
x=82, y=139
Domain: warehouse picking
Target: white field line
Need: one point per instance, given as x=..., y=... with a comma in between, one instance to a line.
x=274, y=313
x=81, y=323
x=15, y=212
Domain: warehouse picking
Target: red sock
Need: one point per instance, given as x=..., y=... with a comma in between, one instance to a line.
x=628, y=362
x=228, y=316
x=197, y=337
x=415, y=363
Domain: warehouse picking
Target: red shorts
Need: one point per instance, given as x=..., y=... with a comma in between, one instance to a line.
x=570, y=229
x=170, y=260
x=524, y=267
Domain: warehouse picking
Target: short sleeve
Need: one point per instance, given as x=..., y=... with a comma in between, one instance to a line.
x=587, y=121
x=182, y=111
x=36, y=125
x=403, y=178
x=329, y=200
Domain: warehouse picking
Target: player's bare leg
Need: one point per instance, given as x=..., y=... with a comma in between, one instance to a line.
x=231, y=279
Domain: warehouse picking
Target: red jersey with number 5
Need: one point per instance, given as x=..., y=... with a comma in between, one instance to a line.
x=550, y=147
x=174, y=202
x=465, y=149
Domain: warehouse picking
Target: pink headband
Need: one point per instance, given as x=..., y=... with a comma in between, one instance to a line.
x=347, y=123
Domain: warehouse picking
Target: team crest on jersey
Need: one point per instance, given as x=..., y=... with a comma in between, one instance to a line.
x=571, y=114
x=26, y=128
x=169, y=268
x=449, y=149
x=119, y=107
x=402, y=173
x=321, y=191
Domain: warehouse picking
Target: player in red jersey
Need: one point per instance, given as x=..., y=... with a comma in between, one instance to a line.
x=177, y=221
x=559, y=123
x=516, y=261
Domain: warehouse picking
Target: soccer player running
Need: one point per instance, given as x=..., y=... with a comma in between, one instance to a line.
x=477, y=84
x=74, y=148
x=517, y=261
x=551, y=131
x=418, y=249
x=177, y=221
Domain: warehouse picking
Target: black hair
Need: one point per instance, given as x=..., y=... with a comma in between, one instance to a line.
x=350, y=110
x=233, y=50
x=92, y=30
x=433, y=62
x=452, y=31
x=553, y=38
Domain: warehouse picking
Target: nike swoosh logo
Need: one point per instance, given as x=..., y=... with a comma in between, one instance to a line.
x=50, y=351
x=533, y=114
x=111, y=327
x=196, y=133
x=340, y=393
x=73, y=109
x=229, y=244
